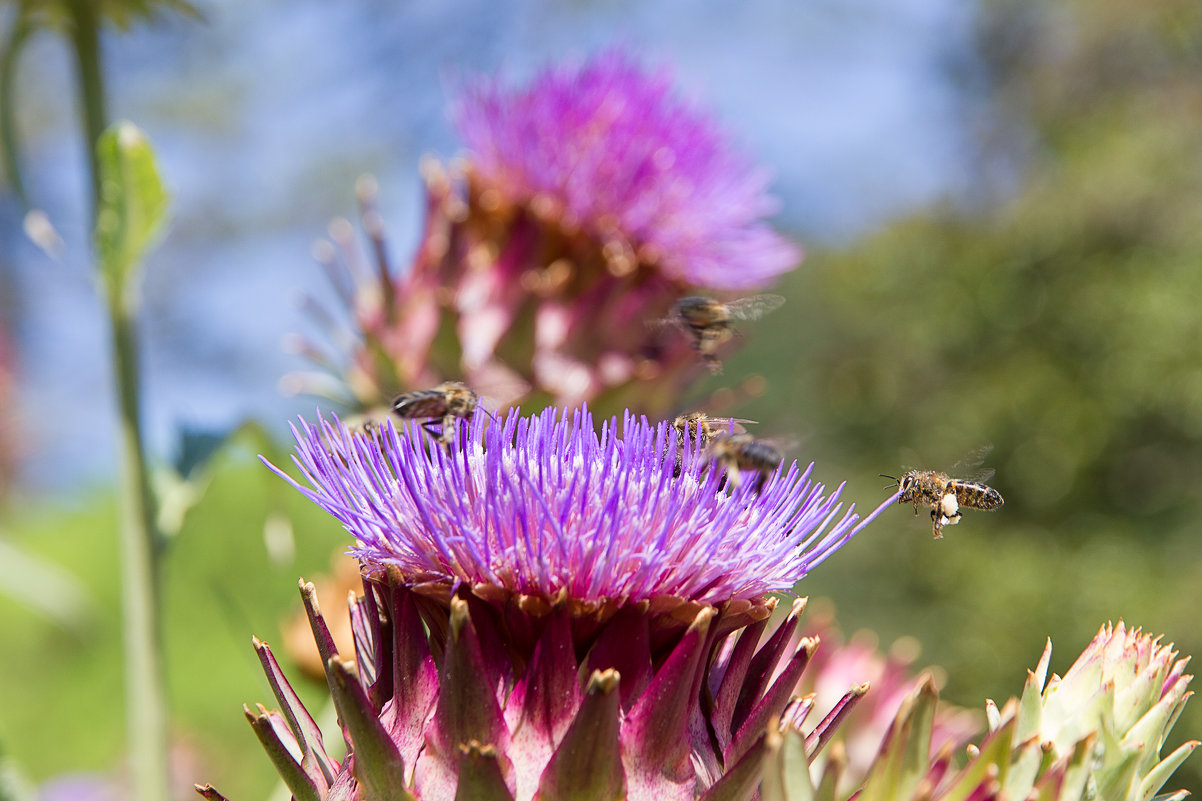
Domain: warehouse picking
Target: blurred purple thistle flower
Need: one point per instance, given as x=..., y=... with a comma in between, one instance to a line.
x=591, y=202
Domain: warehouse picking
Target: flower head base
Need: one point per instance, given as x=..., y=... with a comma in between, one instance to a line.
x=478, y=695
x=591, y=202
x=547, y=506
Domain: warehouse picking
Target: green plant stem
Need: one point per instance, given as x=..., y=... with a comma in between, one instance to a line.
x=140, y=544
x=85, y=34
x=145, y=682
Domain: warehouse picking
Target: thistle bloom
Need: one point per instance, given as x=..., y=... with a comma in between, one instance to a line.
x=543, y=505
x=549, y=613
x=590, y=201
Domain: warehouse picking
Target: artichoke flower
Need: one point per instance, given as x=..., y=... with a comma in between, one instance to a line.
x=1096, y=733
x=588, y=203
x=548, y=613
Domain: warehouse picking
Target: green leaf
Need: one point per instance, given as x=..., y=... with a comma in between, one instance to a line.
x=133, y=204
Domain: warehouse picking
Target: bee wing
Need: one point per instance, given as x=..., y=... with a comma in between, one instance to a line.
x=661, y=323
x=974, y=459
x=736, y=423
x=420, y=404
x=755, y=306
x=982, y=475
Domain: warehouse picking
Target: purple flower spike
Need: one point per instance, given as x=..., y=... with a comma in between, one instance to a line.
x=545, y=506
x=606, y=147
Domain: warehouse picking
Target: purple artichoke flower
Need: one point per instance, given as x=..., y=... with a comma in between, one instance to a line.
x=589, y=203
x=548, y=613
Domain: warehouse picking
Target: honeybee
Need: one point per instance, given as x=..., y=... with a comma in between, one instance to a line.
x=446, y=402
x=946, y=495
x=709, y=321
x=699, y=428
x=736, y=453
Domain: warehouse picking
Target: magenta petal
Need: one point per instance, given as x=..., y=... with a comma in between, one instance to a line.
x=609, y=148
x=732, y=681
x=414, y=679
x=764, y=664
x=366, y=633
x=315, y=762
x=827, y=727
x=769, y=706
x=655, y=735
x=547, y=698
x=625, y=646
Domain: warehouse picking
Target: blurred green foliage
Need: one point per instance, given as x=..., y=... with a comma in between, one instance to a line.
x=1057, y=313
x=63, y=711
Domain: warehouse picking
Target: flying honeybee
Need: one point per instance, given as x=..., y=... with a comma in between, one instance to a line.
x=736, y=453
x=710, y=321
x=946, y=495
x=446, y=402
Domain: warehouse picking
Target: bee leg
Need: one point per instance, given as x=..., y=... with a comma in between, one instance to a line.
x=450, y=424
x=936, y=525
x=436, y=429
x=949, y=505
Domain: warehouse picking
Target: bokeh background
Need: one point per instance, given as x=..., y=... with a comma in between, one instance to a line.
x=1001, y=202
